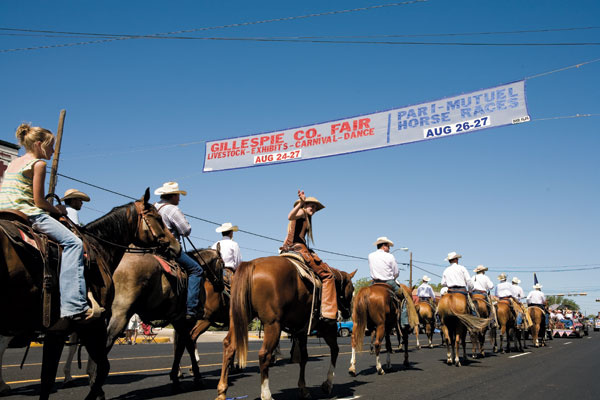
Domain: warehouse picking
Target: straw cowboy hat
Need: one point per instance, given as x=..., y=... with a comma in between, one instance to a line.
x=169, y=188
x=480, y=268
x=516, y=280
x=320, y=206
x=502, y=277
x=426, y=278
x=383, y=239
x=452, y=255
x=537, y=286
x=75, y=194
x=226, y=227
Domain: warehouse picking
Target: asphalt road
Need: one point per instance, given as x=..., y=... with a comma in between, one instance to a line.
x=567, y=368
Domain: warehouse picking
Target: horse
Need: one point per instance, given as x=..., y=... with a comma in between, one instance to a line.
x=507, y=322
x=427, y=319
x=538, y=329
x=272, y=289
x=142, y=287
x=106, y=240
x=480, y=301
x=374, y=308
x=456, y=320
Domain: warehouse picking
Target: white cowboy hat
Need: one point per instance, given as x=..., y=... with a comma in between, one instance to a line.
x=480, y=268
x=383, y=239
x=226, y=227
x=426, y=278
x=75, y=194
x=452, y=255
x=502, y=277
x=169, y=188
x=537, y=286
x=320, y=206
x=516, y=280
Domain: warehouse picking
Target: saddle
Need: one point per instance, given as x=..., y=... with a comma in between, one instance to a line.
x=174, y=272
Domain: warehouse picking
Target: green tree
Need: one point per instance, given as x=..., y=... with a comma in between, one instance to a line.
x=360, y=283
x=562, y=301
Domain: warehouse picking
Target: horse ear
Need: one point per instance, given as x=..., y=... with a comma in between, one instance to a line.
x=353, y=273
x=219, y=247
x=147, y=195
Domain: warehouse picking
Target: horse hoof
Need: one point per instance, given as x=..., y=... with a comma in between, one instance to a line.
x=4, y=388
x=406, y=364
x=449, y=362
x=352, y=372
x=419, y=347
x=327, y=387
x=66, y=384
x=305, y=394
x=198, y=383
x=458, y=364
x=431, y=346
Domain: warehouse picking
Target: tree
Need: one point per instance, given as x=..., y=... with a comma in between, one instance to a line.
x=360, y=283
x=562, y=302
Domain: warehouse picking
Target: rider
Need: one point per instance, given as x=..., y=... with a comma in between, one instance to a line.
x=299, y=227
x=176, y=222
x=536, y=297
x=382, y=263
x=456, y=278
x=425, y=292
x=73, y=200
x=230, y=250
x=518, y=295
x=23, y=190
x=482, y=285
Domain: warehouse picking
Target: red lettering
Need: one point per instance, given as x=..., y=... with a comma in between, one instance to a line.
x=345, y=127
x=334, y=128
x=364, y=123
x=299, y=135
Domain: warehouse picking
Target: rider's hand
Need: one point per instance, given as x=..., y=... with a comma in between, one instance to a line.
x=62, y=209
x=301, y=196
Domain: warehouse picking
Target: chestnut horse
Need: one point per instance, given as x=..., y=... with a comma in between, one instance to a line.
x=142, y=287
x=375, y=309
x=481, y=303
x=456, y=321
x=538, y=329
x=427, y=319
x=507, y=322
x=21, y=285
x=272, y=289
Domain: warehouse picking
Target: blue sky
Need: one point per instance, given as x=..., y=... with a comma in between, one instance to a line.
x=516, y=199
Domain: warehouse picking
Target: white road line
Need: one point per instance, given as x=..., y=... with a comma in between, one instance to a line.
x=568, y=343
x=519, y=355
x=350, y=398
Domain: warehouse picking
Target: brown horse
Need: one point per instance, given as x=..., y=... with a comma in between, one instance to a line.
x=478, y=340
x=21, y=285
x=427, y=319
x=375, y=309
x=456, y=321
x=142, y=287
x=272, y=289
x=507, y=322
x=538, y=329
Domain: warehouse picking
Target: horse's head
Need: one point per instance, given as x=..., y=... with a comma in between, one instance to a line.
x=212, y=261
x=151, y=230
x=345, y=291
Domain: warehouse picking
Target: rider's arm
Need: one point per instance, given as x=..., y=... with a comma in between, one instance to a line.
x=39, y=175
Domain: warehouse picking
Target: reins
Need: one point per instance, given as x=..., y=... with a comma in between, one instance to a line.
x=214, y=275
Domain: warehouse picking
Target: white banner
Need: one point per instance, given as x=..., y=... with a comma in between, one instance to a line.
x=470, y=112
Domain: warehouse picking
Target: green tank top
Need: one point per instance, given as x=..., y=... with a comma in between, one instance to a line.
x=17, y=191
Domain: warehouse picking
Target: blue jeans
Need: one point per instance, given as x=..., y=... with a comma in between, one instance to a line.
x=71, y=281
x=195, y=280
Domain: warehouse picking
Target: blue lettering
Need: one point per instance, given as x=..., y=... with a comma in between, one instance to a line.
x=464, y=103
x=402, y=125
x=446, y=117
x=452, y=105
x=478, y=110
x=489, y=97
x=511, y=94
x=513, y=103
x=490, y=107
x=477, y=98
x=501, y=94
x=465, y=113
x=411, y=114
x=422, y=111
x=501, y=104
x=401, y=114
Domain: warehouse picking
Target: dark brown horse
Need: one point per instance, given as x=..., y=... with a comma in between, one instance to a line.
x=142, y=287
x=538, y=329
x=108, y=238
x=507, y=322
x=375, y=309
x=427, y=319
x=272, y=289
x=481, y=303
x=456, y=321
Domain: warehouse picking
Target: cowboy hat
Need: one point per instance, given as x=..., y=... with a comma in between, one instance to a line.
x=311, y=200
x=383, y=239
x=537, y=286
x=516, y=280
x=502, y=277
x=75, y=194
x=169, y=188
x=480, y=268
x=452, y=255
x=226, y=227
x=426, y=278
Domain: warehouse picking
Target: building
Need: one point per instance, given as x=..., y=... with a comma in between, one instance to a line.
x=8, y=152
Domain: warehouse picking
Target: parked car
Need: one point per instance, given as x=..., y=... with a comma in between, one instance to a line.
x=597, y=324
x=568, y=328
x=345, y=328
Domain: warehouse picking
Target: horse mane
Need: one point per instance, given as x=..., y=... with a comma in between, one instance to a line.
x=215, y=268
x=115, y=221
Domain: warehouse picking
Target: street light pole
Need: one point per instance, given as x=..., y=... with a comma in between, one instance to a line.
x=410, y=279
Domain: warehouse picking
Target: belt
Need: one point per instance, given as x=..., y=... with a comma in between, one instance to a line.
x=480, y=291
x=457, y=287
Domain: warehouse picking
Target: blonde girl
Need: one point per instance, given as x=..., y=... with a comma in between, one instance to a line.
x=23, y=190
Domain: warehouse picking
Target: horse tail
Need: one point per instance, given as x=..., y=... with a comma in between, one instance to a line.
x=241, y=302
x=359, y=317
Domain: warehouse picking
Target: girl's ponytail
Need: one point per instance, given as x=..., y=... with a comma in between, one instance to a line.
x=27, y=135
x=22, y=133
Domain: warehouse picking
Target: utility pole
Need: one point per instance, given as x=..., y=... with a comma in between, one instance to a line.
x=54, y=169
x=410, y=279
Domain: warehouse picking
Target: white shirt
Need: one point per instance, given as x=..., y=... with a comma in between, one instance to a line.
x=559, y=315
x=456, y=275
x=230, y=252
x=425, y=291
x=481, y=282
x=518, y=292
x=383, y=265
x=504, y=289
x=73, y=215
x=536, y=297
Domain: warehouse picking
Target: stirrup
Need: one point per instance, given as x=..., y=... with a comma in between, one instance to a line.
x=97, y=310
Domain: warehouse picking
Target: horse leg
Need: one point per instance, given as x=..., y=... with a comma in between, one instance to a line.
x=301, y=342
x=198, y=329
x=463, y=340
x=417, y=336
x=228, y=355
x=379, y=332
x=93, y=337
x=388, y=348
x=456, y=347
x=4, y=341
x=429, y=330
x=352, y=369
x=53, y=346
x=67, y=369
x=272, y=334
x=179, y=345
x=446, y=338
x=330, y=336
x=399, y=336
x=405, y=343
x=190, y=345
